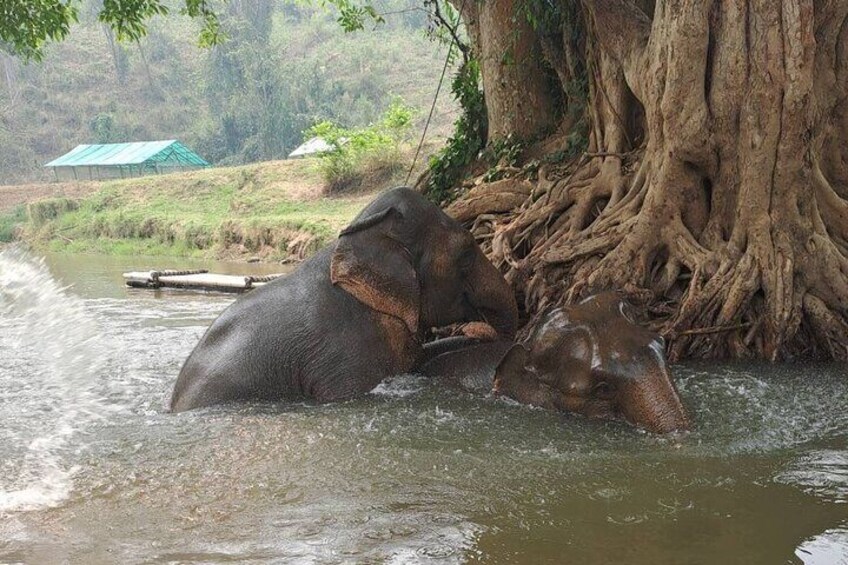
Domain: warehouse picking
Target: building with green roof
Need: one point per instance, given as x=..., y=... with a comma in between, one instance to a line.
x=119, y=160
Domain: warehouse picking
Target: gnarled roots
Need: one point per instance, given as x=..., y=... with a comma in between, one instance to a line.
x=606, y=222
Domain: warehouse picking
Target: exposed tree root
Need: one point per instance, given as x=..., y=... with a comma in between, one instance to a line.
x=488, y=198
x=578, y=231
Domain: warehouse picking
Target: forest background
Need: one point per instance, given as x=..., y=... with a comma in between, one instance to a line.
x=283, y=68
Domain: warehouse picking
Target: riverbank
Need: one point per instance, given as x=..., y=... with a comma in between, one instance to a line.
x=274, y=211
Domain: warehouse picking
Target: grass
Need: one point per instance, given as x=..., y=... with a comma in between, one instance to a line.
x=275, y=210
x=10, y=221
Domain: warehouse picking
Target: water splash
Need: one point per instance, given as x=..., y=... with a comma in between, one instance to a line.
x=50, y=332
x=400, y=386
x=756, y=408
x=827, y=548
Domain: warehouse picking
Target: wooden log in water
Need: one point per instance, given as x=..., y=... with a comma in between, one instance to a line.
x=199, y=279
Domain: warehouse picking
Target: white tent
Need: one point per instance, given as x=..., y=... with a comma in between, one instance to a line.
x=313, y=146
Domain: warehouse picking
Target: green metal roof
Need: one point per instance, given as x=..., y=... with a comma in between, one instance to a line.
x=137, y=153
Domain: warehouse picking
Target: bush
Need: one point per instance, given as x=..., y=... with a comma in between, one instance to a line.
x=10, y=223
x=49, y=209
x=357, y=153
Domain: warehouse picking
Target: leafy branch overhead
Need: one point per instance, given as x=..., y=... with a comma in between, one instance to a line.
x=353, y=16
x=26, y=26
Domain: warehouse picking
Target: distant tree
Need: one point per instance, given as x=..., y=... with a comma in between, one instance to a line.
x=10, y=75
x=119, y=54
x=245, y=89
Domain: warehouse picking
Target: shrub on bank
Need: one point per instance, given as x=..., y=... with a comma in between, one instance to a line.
x=49, y=209
x=11, y=222
x=361, y=153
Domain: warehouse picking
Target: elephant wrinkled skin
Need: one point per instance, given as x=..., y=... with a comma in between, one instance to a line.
x=589, y=358
x=352, y=315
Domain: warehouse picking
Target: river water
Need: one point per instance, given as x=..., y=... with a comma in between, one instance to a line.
x=93, y=470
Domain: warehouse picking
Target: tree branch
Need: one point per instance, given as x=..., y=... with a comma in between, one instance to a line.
x=437, y=15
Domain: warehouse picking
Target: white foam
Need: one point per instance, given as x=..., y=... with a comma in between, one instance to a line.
x=400, y=386
x=827, y=548
x=50, y=486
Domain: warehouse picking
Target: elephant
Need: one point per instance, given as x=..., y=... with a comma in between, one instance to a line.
x=590, y=358
x=354, y=314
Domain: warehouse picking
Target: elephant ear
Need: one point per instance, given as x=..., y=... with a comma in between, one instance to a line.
x=516, y=378
x=512, y=369
x=377, y=269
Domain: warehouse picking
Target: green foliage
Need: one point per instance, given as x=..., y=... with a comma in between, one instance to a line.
x=561, y=26
x=546, y=17
x=246, y=90
x=353, y=16
x=504, y=151
x=210, y=34
x=10, y=222
x=444, y=23
x=105, y=129
x=356, y=151
x=128, y=19
x=469, y=136
x=397, y=121
x=27, y=25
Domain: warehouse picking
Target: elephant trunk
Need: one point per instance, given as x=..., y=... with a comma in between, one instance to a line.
x=491, y=298
x=652, y=402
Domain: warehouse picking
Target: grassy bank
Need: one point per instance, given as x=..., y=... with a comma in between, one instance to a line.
x=273, y=210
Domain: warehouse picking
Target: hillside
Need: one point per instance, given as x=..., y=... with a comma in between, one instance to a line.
x=245, y=101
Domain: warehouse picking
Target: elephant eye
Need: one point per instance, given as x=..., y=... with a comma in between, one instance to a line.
x=466, y=260
x=602, y=390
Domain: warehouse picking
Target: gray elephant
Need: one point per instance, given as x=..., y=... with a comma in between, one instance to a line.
x=352, y=315
x=589, y=358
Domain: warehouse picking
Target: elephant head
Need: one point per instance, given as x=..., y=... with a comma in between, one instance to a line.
x=591, y=358
x=404, y=257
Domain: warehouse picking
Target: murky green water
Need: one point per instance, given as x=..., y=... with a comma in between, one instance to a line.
x=93, y=471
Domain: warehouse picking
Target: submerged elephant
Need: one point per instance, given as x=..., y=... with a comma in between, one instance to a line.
x=352, y=315
x=589, y=358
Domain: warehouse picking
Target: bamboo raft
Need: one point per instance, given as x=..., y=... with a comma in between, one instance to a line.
x=198, y=279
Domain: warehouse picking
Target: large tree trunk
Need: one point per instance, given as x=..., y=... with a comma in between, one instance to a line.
x=510, y=61
x=715, y=182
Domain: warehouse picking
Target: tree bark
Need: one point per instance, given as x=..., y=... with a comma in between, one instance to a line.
x=714, y=186
x=519, y=94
